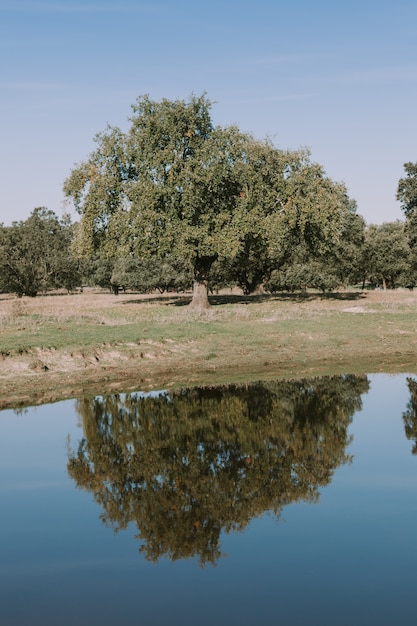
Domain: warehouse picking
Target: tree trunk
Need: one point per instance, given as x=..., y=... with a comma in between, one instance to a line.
x=256, y=290
x=202, y=266
x=200, y=295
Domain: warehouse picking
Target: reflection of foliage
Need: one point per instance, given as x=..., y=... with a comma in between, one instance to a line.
x=410, y=415
x=187, y=465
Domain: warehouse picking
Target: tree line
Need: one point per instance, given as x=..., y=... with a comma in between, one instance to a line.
x=176, y=203
x=38, y=255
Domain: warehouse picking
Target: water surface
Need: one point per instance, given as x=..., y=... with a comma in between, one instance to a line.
x=288, y=502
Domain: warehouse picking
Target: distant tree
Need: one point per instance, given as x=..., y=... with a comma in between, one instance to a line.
x=288, y=278
x=99, y=273
x=69, y=269
x=407, y=195
x=147, y=275
x=175, y=184
x=323, y=267
x=124, y=273
x=331, y=260
x=407, y=191
x=344, y=257
x=35, y=255
x=300, y=276
x=387, y=256
x=68, y=273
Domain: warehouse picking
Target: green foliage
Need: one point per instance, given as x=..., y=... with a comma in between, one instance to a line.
x=68, y=273
x=345, y=256
x=186, y=466
x=387, y=255
x=407, y=195
x=174, y=184
x=147, y=275
x=324, y=269
x=301, y=276
x=35, y=255
x=407, y=190
x=98, y=272
x=252, y=265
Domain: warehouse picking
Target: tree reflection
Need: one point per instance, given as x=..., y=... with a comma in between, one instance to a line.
x=186, y=465
x=410, y=415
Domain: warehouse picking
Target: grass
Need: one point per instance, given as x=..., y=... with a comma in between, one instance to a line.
x=66, y=345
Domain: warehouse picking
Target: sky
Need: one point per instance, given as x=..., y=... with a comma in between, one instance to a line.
x=337, y=77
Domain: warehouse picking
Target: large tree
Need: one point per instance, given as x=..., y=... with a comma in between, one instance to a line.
x=174, y=184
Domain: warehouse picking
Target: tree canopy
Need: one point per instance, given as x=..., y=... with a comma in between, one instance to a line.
x=407, y=190
x=175, y=184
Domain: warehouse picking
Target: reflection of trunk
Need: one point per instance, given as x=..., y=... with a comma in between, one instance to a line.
x=202, y=266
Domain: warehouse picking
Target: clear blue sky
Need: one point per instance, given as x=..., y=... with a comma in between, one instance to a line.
x=337, y=77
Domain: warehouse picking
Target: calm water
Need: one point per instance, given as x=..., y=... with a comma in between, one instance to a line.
x=281, y=503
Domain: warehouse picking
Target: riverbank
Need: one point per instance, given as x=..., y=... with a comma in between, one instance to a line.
x=62, y=346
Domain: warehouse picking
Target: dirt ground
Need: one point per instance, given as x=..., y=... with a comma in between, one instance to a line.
x=42, y=375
